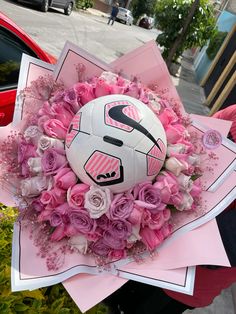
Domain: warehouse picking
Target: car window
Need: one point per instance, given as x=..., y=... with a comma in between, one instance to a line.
x=11, y=49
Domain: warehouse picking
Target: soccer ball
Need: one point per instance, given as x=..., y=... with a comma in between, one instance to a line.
x=115, y=141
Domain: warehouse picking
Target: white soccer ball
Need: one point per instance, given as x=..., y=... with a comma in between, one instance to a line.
x=115, y=141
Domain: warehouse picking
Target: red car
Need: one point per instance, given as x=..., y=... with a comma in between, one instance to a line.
x=13, y=42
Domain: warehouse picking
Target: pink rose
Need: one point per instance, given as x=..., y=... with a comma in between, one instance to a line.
x=149, y=197
x=133, y=90
x=97, y=201
x=59, y=233
x=37, y=205
x=166, y=230
x=53, y=160
x=25, y=151
x=136, y=215
x=121, y=207
x=117, y=254
x=85, y=92
x=61, y=113
x=167, y=117
x=81, y=222
x=156, y=221
x=65, y=178
x=51, y=199
x=175, y=166
x=196, y=189
x=102, y=88
x=34, y=186
x=150, y=238
x=55, y=128
x=100, y=248
x=76, y=195
x=175, y=133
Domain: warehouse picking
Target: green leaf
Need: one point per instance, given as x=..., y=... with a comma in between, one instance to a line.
x=64, y=311
x=57, y=305
x=20, y=307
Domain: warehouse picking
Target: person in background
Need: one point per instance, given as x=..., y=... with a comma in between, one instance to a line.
x=114, y=12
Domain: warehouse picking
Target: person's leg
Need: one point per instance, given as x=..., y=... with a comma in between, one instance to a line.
x=113, y=20
x=109, y=20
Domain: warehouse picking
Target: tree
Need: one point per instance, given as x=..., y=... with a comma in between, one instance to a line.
x=140, y=7
x=184, y=24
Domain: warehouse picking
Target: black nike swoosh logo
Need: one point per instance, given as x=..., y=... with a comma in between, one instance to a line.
x=117, y=114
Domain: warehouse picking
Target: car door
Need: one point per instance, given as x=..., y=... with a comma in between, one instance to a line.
x=13, y=42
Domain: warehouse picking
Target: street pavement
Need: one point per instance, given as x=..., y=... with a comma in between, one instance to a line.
x=190, y=92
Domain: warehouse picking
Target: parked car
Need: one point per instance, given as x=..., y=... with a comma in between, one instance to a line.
x=146, y=22
x=13, y=42
x=44, y=5
x=125, y=16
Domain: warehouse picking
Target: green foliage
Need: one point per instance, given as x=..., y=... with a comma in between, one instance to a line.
x=84, y=4
x=170, y=18
x=215, y=43
x=140, y=7
x=51, y=300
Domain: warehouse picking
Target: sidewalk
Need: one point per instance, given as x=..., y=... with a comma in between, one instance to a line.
x=190, y=92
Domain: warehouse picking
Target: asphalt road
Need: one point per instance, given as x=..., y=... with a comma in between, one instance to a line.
x=52, y=29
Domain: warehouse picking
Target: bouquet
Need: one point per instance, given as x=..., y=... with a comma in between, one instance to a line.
x=105, y=170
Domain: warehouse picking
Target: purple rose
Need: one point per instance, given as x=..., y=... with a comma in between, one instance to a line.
x=53, y=160
x=37, y=205
x=56, y=219
x=103, y=222
x=149, y=197
x=120, y=229
x=121, y=207
x=112, y=241
x=81, y=221
x=100, y=248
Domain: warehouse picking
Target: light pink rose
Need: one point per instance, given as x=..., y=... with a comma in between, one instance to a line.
x=32, y=134
x=55, y=128
x=150, y=238
x=76, y=195
x=53, y=160
x=186, y=203
x=134, y=234
x=85, y=92
x=175, y=166
x=175, y=149
x=185, y=182
x=32, y=187
x=46, y=142
x=97, y=201
x=65, y=178
x=79, y=242
x=35, y=165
